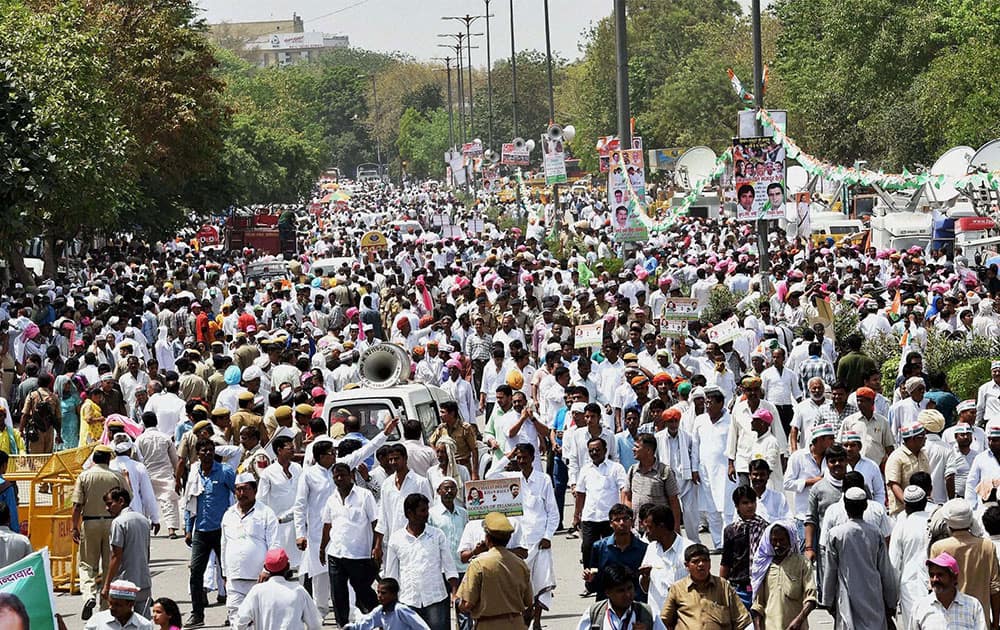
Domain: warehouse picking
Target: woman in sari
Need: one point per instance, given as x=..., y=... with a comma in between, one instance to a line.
x=69, y=401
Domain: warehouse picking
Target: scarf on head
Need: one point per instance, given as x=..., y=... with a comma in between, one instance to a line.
x=764, y=556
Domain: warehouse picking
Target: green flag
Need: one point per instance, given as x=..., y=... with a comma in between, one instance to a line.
x=585, y=273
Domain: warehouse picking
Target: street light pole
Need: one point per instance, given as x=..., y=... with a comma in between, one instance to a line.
x=621, y=65
x=758, y=96
x=513, y=68
x=548, y=59
x=468, y=20
x=489, y=73
x=451, y=124
x=378, y=143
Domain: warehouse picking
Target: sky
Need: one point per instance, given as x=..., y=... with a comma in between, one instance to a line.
x=411, y=26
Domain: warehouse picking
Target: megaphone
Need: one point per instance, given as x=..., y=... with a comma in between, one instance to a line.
x=554, y=132
x=492, y=156
x=519, y=144
x=569, y=132
x=530, y=145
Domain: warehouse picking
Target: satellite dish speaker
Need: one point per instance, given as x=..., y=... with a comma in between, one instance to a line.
x=519, y=143
x=554, y=132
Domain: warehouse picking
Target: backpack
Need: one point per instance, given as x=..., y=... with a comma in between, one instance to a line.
x=640, y=611
x=40, y=419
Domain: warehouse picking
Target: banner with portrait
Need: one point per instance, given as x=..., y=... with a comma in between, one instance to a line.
x=626, y=191
x=554, y=160
x=513, y=156
x=26, y=593
x=759, y=179
x=493, y=495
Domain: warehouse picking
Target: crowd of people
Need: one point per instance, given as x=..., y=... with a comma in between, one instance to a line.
x=217, y=405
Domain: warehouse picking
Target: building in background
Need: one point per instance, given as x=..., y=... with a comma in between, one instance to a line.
x=275, y=42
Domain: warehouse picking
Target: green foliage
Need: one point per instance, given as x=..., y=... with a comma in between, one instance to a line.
x=422, y=142
x=965, y=377
x=57, y=58
x=721, y=301
x=890, y=370
x=845, y=323
x=24, y=167
x=532, y=99
x=612, y=266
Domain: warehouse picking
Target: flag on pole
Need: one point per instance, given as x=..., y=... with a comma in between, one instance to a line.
x=897, y=304
x=741, y=92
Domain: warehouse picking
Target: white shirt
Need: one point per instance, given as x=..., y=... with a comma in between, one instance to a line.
x=602, y=485
x=804, y=419
x=988, y=402
x=801, y=466
x=420, y=457
x=575, y=450
x=781, y=389
x=538, y=498
x=417, y=562
x=613, y=622
x=984, y=468
x=169, y=410
x=873, y=478
x=350, y=519
x=390, y=513
x=667, y=567
x=143, y=499
x=741, y=439
x=278, y=604
x=246, y=539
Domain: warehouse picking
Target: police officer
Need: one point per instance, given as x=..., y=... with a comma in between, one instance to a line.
x=92, y=523
x=496, y=590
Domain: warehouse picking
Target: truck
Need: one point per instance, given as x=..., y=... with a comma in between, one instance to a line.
x=387, y=392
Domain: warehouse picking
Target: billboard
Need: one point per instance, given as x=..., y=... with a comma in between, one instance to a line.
x=759, y=178
x=626, y=195
x=513, y=156
x=554, y=160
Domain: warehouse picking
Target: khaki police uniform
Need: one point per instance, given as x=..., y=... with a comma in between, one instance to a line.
x=497, y=584
x=95, y=530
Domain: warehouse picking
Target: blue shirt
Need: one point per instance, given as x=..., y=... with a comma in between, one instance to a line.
x=402, y=617
x=625, y=443
x=216, y=496
x=946, y=403
x=559, y=424
x=181, y=429
x=10, y=498
x=605, y=553
x=370, y=462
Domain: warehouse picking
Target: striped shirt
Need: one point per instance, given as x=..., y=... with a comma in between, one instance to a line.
x=965, y=613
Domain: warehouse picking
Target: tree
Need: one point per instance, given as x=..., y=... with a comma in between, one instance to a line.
x=58, y=59
x=422, y=142
x=532, y=98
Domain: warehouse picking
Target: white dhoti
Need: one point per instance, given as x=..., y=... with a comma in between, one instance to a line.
x=167, y=499
x=238, y=590
x=543, y=575
x=317, y=573
x=286, y=540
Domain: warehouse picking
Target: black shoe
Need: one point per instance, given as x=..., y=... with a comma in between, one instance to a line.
x=194, y=621
x=88, y=609
x=221, y=600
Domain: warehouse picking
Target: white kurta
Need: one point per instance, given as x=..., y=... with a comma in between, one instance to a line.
x=277, y=491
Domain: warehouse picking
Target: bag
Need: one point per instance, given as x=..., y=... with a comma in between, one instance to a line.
x=40, y=420
x=640, y=612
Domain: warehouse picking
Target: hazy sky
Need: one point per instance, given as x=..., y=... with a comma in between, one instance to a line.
x=412, y=25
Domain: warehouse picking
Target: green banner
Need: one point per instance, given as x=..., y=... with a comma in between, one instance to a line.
x=26, y=593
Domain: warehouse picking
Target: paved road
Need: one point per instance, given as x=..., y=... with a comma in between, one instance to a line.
x=170, y=578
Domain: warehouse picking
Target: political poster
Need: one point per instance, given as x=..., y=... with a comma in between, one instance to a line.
x=606, y=145
x=589, y=335
x=682, y=309
x=472, y=149
x=512, y=156
x=759, y=179
x=674, y=328
x=626, y=194
x=27, y=588
x=554, y=160
x=725, y=331
x=208, y=236
x=493, y=495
